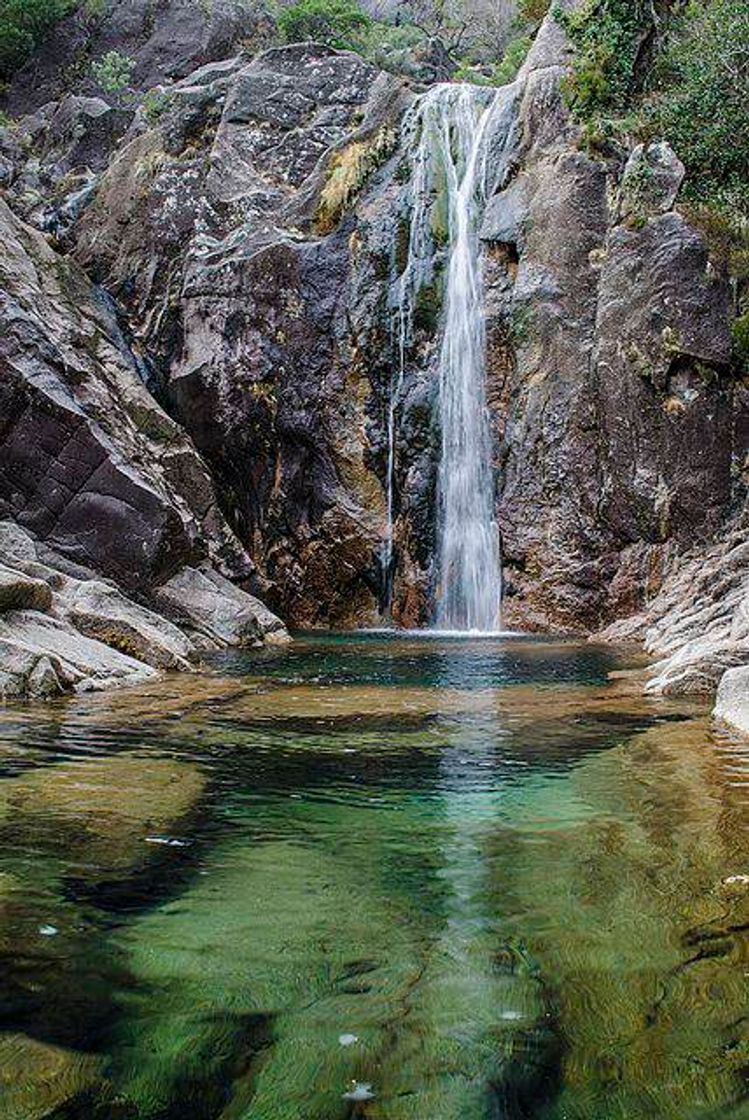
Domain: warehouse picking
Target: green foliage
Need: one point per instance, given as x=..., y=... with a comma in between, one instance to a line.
x=500, y=74
x=339, y=23
x=699, y=100
x=23, y=25
x=155, y=104
x=469, y=71
x=113, y=72
x=513, y=59
x=682, y=76
x=607, y=36
x=389, y=45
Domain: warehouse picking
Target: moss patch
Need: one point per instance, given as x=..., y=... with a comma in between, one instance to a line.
x=348, y=171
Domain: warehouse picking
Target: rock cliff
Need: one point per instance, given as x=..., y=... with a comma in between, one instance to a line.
x=198, y=365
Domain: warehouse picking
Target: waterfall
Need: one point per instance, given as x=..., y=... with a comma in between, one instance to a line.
x=455, y=136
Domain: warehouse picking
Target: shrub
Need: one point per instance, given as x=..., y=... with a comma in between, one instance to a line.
x=699, y=99
x=155, y=103
x=607, y=36
x=514, y=57
x=23, y=25
x=339, y=23
x=113, y=72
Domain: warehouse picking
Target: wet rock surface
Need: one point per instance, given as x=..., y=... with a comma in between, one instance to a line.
x=732, y=701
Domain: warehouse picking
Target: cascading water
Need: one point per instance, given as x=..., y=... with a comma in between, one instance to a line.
x=449, y=135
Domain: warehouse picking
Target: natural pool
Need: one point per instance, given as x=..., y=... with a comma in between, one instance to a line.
x=472, y=875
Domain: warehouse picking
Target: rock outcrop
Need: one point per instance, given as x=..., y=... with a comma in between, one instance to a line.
x=165, y=40
x=732, y=702
x=244, y=229
x=697, y=625
x=219, y=231
x=63, y=630
x=96, y=480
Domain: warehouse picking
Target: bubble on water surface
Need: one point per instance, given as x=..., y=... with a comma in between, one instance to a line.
x=361, y=1091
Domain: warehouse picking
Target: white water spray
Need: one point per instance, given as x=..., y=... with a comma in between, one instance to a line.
x=448, y=135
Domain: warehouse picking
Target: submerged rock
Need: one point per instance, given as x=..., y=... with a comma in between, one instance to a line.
x=38, y=1080
x=101, y=811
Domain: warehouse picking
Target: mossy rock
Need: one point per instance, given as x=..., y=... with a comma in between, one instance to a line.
x=428, y=308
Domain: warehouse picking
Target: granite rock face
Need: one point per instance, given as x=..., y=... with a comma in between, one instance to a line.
x=697, y=625
x=95, y=480
x=244, y=230
x=166, y=40
x=271, y=338
x=609, y=371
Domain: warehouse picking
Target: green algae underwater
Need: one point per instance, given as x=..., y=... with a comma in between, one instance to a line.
x=375, y=876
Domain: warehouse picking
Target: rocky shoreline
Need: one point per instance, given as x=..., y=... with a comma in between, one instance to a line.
x=62, y=630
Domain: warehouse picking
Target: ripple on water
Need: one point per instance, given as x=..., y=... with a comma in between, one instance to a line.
x=511, y=887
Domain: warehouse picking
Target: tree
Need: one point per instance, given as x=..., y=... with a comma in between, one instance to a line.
x=338, y=23
x=699, y=98
x=446, y=21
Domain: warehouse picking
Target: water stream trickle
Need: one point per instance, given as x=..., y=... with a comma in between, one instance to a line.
x=457, y=138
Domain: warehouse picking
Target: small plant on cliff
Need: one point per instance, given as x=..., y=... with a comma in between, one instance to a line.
x=513, y=58
x=113, y=72
x=339, y=23
x=740, y=336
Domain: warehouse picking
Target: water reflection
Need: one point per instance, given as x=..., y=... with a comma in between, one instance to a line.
x=515, y=891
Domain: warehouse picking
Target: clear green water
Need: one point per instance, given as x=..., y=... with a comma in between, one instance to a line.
x=474, y=876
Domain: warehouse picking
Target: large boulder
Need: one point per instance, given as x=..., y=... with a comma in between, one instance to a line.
x=43, y=656
x=101, y=611
x=732, y=701
x=217, y=612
